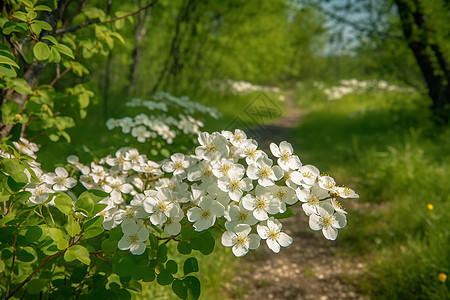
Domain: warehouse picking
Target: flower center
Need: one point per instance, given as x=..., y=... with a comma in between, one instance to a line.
x=211, y=147
x=162, y=206
x=61, y=180
x=179, y=165
x=274, y=234
x=260, y=203
x=265, y=172
x=134, y=239
x=205, y=214
x=285, y=156
x=241, y=240
x=129, y=213
x=234, y=185
x=327, y=220
x=242, y=217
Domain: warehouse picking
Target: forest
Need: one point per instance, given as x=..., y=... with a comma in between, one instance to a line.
x=147, y=149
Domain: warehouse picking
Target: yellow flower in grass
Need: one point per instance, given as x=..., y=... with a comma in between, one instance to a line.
x=430, y=206
x=442, y=277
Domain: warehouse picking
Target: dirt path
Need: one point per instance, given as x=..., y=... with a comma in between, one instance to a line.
x=307, y=269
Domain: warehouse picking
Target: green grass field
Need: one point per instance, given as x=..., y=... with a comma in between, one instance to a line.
x=383, y=145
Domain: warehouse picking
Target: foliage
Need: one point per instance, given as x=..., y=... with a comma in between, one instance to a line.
x=401, y=161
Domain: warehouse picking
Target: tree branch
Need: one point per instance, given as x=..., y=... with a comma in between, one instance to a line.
x=95, y=21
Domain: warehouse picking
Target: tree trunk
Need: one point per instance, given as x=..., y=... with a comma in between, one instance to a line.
x=433, y=65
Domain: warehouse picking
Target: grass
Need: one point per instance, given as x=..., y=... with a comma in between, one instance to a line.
x=383, y=145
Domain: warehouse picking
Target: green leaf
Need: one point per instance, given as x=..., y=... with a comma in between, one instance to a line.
x=172, y=266
x=41, y=51
x=85, y=205
x=188, y=232
x=190, y=265
x=7, y=71
x=27, y=254
x=36, y=285
x=64, y=203
x=21, y=86
x=94, y=227
x=16, y=169
x=21, y=197
x=9, y=111
x=10, y=27
x=180, y=289
x=184, y=247
x=204, y=243
x=72, y=227
x=27, y=3
x=95, y=195
x=161, y=255
x=193, y=285
x=8, y=61
x=125, y=266
x=14, y=186
x=20, y=15
x=51, y=39
x=109, y=245
x=42, y=8
x=81, y=253
x=144, y=273
x=164, y=277
x=44, y=25
x=63, y=49
x=58, y=236
x=33, y=234
x=78, y=274
x=31, y=15
x=287, y=214
x=36, y=28
x=54, y=55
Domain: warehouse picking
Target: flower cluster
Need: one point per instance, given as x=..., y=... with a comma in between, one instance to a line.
x=144, y=127
x=237, y=87
x=227, y=177
x=350, y=86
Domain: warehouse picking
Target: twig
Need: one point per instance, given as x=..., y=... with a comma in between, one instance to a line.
x=103, y=259
x=45, y=261
x=75, y=13
x=95, y=21
x=58, y=77
x=132, y=13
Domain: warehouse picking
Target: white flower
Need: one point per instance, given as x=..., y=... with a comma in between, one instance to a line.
x=345, y=192
x=286, y=159
x=126, y=124
x=39, y=194
x=238, y=215
x=141, y=133
x=74, y=160
x=327, y=183
x=284, y=195
x=177, y=165
x=328, y=220
x=205, y=214
x=306, y=175
x=212, y=147
x=234, y=184
x=60, y=180
x=250, y=151
x=263, y=171
x=26, y=147
x=273, y=235
x=261, y=205
x=160, y=205
x=222, y=166
x=172, y=225
x=116, y=186
x=134, y=238
x=241, y=240
x=311, y=198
